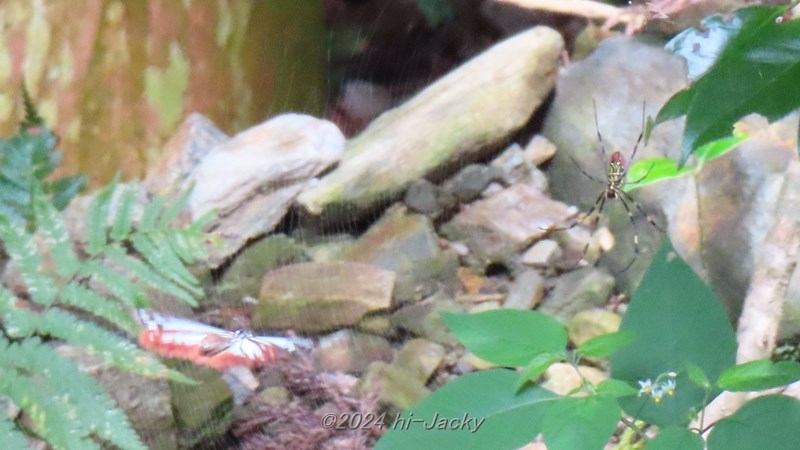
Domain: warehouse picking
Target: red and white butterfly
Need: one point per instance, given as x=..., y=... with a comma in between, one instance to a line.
x=177, y=337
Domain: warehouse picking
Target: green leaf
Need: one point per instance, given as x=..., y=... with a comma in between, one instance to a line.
x=697, y=376
x=97, y=220
x=715, y=149
x=146, y=274
x=21, y=247
x=771, y=422
x=615, y=388
x=759, y=375
x=676, y=438
x=119, y=286
x=10, y=435
x=92, y=302
x=580, y=423
x=606, y=344
x=678, y=321
x=511, y=420
x=508, y=337
x=65, y=189
x=174, y=208
x=151, y=212
x=756, y=72
x=121, y=226
x=52, y=228
x=155, y=249
x=538, y=366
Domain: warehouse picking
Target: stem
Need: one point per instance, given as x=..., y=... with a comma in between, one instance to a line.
x=632, y=425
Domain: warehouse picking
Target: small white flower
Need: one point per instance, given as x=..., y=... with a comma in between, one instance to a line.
x=646, y=387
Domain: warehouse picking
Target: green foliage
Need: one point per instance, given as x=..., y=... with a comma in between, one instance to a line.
x=678, y=321
x=511, y=420
x=652, y=170
x=674, y=339
x=764, y=423
x=756, y=72
x=67, y=407
x=507, y=337
x=26, y=162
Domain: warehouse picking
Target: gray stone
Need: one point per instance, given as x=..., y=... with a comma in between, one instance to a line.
x=244, y=276
x=526, y=291
x=590, y=324
x=420, y=357
x=406, y=243
x=469, y=182
x=321, y=296
x=397, y=389
x=498, y=227
x=351, y=352
x=424, y=319
x=544, y=253
x=457, y=118
x=577, y=291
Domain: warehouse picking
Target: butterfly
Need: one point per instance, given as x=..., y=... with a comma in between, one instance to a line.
x=178, y=337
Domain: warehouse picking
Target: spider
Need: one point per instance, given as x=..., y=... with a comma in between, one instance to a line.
x=614, y=190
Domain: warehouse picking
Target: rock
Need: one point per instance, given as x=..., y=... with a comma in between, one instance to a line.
x=562, y=378
x=591, y=323
x=469, y=182
x=351, y=352
x=321, y=296
x=202, y=412
x=378, y=324
x=275, y=396
x=619, y=77
x=473, y=107
x=420, y=357
x=406, y=243
x=526, y=291
x=539, y=150
x=253, y=178
x=515, y=167
x=544, y=253
x=146, y=401
x=397, y=388
x=498, y=227
x=424, y=319
x=427, y=198
x=578, y=290
x=475, y=362
x=194, y=139
x=244, y=276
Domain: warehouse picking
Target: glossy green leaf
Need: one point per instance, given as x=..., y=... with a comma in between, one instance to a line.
x=697, y=376
x=511, y=419
x=616, y=388
x=508, y=337
x=757, y=72
x=678, y=320
x=759, y=375
x=649, y=171
x=580, y=422
x=771, y=422
x=538, y=366
x=606, y=344
x=676, y=438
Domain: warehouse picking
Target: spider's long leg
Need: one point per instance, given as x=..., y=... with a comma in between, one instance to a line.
x=635, y=236
x=600, y=199
x=624, y=195
x=639, y=139
x=599, y=136
x=640, y=178
x=594, y=225
x=574, y=161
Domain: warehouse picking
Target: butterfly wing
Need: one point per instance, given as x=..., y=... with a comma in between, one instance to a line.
x=177, y=337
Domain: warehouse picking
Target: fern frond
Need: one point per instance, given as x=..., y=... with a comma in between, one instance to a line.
x=97, y=220
x=32, y=118
x=21, y=247
x=123, y=220
x=117, y=284
x=52, y=228
x=146, y=274
x=66, y=406
x=156, y=251
x=101, y=306
x=173, y=209
x=151, y=213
